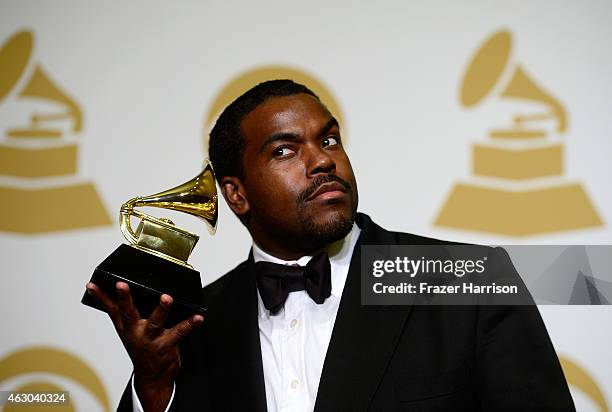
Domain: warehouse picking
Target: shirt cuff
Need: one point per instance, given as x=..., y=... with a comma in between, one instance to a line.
x=137, y=406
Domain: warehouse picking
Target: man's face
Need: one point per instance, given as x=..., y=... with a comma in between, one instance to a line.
x=299, y=184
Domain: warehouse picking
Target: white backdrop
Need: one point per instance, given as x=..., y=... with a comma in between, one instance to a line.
x=145, y=73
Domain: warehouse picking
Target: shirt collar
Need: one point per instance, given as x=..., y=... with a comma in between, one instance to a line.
x=339, y=252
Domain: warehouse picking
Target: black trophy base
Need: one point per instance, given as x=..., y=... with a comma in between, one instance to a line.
x=149, y=277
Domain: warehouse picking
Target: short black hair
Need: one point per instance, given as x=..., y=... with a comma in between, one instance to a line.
x=226, y=144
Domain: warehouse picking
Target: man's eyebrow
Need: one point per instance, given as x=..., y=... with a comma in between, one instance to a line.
x=292, y=137
x=286, y=137
x=329, y=125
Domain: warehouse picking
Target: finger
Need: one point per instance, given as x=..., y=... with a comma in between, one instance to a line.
x=127, y=310
x=184, y=329
x=102, y=298
x=155, y=323
x=106, y=302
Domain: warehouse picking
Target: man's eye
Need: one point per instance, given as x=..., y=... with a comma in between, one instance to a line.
x=282, y=151
x=330, y=141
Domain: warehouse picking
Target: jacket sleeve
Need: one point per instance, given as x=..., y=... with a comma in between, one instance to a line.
x=516, y=365
x=130, y=403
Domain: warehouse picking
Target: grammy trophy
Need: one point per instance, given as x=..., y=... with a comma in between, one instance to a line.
x=155, y=261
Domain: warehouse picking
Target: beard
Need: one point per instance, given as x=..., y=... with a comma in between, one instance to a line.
x=318, y=230
x=318, y=234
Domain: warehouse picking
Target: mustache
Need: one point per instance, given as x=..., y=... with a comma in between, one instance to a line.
x=320, y=180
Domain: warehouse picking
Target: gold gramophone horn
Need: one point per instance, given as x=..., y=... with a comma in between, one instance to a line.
x=159, y=236
x=15, y=58
x=483, y=75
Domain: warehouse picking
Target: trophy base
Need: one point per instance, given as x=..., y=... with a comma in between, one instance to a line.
x=149, y=276
x=518, y=213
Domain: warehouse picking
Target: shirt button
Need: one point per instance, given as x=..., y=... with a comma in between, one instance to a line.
x=293, y=323
x=295, y=383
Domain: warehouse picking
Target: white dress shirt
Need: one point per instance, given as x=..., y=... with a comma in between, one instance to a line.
x=295, y=340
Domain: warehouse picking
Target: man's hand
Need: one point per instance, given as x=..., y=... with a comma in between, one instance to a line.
x=153, y=349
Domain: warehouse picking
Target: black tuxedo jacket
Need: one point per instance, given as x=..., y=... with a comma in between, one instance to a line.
x=384, y=358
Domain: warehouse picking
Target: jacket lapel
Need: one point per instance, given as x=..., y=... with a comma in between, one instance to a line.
x=364, y=337
x=246, y=388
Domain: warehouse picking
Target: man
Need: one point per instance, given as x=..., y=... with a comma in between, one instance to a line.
x=281, y=166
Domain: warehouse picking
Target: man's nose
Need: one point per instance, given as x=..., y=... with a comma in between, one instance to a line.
x=320, y=161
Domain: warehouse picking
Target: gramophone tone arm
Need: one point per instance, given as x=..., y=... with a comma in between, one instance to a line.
x=127, y=210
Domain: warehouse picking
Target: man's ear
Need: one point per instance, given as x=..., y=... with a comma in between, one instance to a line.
x=235, y=196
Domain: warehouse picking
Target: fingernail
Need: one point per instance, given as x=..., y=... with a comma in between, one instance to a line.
x=197, y=319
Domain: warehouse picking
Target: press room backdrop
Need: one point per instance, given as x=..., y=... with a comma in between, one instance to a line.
x=477, y=121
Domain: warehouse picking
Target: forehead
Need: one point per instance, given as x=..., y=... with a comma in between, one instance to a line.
x=284, y=114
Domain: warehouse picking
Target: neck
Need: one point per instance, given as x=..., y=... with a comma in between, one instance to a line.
x=290, y=254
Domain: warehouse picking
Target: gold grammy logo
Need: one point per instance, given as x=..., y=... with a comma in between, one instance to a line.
x=38, y=160
x=54, y=363
x=244, y=81
x=518, y=188
x=578, y=378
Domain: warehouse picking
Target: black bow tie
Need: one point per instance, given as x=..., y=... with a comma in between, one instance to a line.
x=275, y=281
